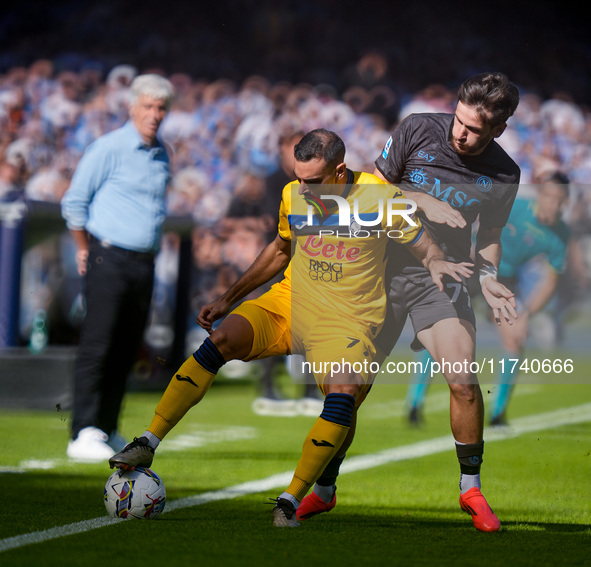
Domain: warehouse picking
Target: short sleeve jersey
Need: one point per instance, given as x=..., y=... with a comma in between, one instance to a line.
x=524, y=238
x=419, y=156
x=339, y=269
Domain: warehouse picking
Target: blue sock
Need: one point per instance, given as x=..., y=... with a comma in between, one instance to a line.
x=209, y=356
x=505, y=385
x=417, y=389
x=338, y=408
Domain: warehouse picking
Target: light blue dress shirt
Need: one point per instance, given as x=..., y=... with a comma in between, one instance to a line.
x=117, y=192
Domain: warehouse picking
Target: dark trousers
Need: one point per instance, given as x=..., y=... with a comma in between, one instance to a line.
x=118, y=290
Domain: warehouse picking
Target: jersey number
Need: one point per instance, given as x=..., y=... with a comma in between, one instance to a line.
x=457, y=288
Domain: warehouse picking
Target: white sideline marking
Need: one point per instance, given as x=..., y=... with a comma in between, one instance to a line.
x=199, y=438
x=194, y=438
x=529, y=424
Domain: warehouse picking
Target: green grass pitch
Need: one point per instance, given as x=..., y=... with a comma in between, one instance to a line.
x=400, y=512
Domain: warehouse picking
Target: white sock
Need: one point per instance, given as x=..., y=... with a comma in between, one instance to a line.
x=153, y=441
x=291, y=498
x=326, y=493
x=468, y=481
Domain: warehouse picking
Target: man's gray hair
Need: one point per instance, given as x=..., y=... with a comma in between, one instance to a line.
x=153, y=86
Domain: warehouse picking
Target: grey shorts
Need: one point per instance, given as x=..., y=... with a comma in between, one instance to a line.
x=412, y=292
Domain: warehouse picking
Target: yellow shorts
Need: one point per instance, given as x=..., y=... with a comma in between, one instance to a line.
x=329, y=344
x=270, y=317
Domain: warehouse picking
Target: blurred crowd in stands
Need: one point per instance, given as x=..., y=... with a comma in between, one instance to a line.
x=224, y=137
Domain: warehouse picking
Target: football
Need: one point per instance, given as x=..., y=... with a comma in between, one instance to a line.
x=135, y=494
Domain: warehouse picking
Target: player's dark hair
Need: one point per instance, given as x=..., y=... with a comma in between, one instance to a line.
x=557, y=178
x=321, y=143
x=490, y=93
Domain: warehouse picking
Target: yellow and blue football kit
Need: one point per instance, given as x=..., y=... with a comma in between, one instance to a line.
x=329, y=306
x=331, y=302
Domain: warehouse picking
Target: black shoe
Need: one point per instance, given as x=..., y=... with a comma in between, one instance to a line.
x=136, y=454
x=414, y=417
x=499, y=421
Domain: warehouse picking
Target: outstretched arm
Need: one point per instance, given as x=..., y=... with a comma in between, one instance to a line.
x=435, y=210
x=488, y=256
x=273, y=259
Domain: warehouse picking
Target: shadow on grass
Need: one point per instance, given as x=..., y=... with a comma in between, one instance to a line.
x=38, y=501
x=402, y=536
x=239, y=531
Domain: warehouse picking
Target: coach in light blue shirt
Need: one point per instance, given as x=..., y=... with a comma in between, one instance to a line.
x=117, y=192
x=114, y=208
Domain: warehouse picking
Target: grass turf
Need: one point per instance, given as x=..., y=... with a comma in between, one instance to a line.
x=404, y=512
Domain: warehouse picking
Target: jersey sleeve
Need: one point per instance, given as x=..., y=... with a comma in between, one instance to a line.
x=408, y=225
x=92, y=171
x=284, y=212
x=398, y=219
x=391, y=162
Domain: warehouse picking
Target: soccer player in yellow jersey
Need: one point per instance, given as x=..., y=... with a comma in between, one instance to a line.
x=329, y=306
x=335, y=276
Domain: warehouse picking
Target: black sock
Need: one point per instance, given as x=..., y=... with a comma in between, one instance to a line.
x=470, y=457
x=331, y=472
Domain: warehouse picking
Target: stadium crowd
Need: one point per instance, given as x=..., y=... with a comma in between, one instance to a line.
x=224, y=137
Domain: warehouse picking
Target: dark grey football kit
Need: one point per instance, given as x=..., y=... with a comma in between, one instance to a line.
x=419, y=157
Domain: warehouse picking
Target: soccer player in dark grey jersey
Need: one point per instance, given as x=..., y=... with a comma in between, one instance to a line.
x=451, y=189
x=455, y=171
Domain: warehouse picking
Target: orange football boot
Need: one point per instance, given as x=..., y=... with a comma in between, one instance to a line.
x=475, y=504
x=313, y=504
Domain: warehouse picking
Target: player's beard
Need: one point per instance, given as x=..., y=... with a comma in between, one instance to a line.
x=464, y=150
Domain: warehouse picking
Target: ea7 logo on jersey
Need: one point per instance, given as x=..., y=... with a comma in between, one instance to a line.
x=424, y=155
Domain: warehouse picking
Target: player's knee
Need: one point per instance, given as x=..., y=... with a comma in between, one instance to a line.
x=209, y=357
x=233, y=341
x=459, y=374
x=353, y=390
x=465, y=393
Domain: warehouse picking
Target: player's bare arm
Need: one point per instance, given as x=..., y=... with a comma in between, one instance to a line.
x=434, y=209
x=488, y=255
x=273, y=259
x=433, y=258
